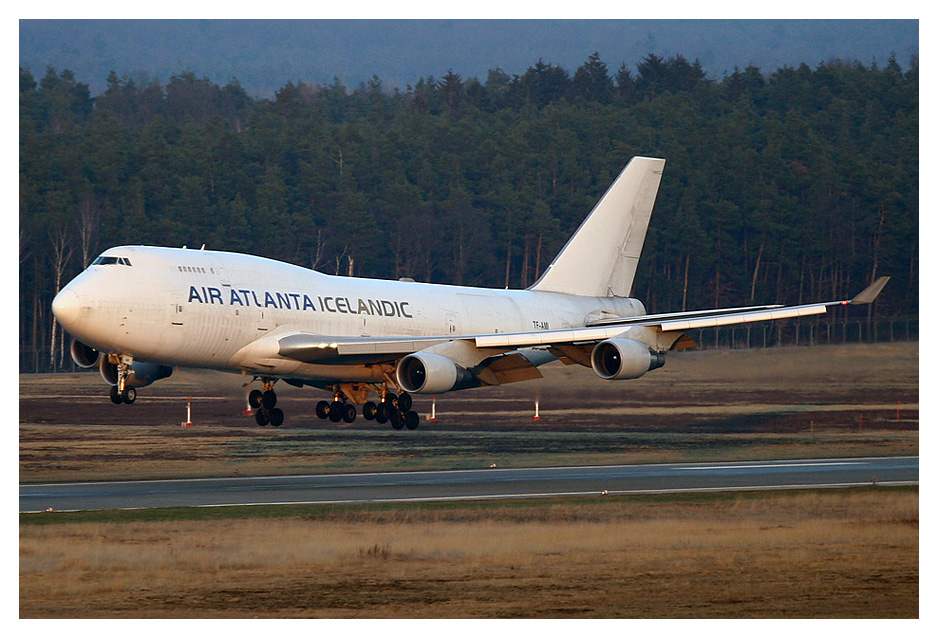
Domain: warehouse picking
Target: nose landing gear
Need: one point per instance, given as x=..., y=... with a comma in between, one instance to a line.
x=129, y=396
x=121, y=392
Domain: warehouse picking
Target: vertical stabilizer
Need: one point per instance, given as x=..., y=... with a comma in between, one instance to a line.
x=600, y=258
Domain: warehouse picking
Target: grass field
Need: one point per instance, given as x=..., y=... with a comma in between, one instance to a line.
x=827, y=554
x=848, y=553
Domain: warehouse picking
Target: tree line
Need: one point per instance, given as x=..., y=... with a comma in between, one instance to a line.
x=789, y=186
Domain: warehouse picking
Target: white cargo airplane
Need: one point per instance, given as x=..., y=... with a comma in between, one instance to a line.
x=138, y=311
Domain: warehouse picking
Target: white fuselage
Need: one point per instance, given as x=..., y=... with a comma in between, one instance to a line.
x=205, y=308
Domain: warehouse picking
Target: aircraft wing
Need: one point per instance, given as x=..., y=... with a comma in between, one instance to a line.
x=673, y=322
x=318, y=349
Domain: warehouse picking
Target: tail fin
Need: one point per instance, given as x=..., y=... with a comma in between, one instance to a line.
x=600, y=258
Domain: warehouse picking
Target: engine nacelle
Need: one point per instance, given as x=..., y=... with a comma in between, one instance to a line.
x=430, y=373
x=619, y=358
x=140, y=374
x=84, y=355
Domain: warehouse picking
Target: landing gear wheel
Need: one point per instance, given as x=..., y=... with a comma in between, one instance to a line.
x=412, y=420
x=383, y=411
x=348, y=413
x=254, y=398
x=129, y=396
x=116, y=395
x=262, y=417
x=322, y=409
x=404, y=402
x=277, y=417
x=335, y=412
x=369, y=410
x=397, y=420
x=269, y=399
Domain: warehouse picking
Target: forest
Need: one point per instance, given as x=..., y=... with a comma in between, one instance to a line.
x=785, y=186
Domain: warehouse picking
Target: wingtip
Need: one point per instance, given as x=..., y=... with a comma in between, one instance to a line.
x=869, y=294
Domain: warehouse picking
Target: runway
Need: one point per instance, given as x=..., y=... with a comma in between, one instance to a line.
x=489, y=483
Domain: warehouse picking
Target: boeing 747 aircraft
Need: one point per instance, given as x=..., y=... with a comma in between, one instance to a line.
x=138, y=311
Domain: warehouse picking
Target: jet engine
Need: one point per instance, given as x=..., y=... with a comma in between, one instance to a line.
x=140, y=374
x=431, y=373
x=619, y=358
x=84, y=355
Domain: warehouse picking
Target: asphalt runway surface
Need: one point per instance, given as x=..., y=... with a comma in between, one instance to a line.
x=490, y=483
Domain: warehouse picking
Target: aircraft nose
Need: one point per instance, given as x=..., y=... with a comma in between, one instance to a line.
x=66, y=307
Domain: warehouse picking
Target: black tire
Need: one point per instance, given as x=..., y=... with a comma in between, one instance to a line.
x=348, y=413
x=322, y=409
x=277, y=417
x=405, y=402
x=369, y=410
x=129, y=396
x=412, y=420
x=254, y=398
x=383, y=410
x=269, y=399
x=335, y=412
x=116, y=396
x=397, y=420
x=262, y=418
x=381, y=416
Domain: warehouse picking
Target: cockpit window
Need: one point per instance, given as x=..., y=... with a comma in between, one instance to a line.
x=105, y=260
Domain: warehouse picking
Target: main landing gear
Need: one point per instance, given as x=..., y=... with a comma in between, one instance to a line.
x=264, y=403
x=392, y=408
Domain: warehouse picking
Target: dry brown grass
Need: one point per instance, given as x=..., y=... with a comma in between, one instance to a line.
x=840, y=554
